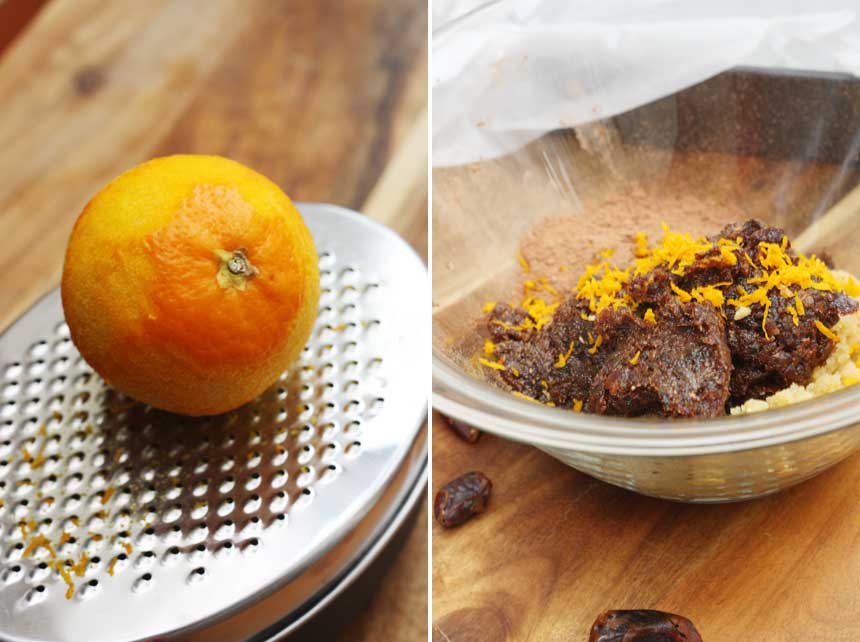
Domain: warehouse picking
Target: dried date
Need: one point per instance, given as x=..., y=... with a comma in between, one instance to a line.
x=642, y=626
x=461, y=499
x=463, y=431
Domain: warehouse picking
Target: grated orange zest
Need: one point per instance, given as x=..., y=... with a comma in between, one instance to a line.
x=827, y=332
x=562, y=358
x=495, y=365
x=523, y=263
x=489, y=348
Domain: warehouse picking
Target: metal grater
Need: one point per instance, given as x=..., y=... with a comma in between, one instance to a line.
x=178, y=528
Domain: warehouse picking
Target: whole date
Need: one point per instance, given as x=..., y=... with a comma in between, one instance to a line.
x=642, y=626
x=461, y=499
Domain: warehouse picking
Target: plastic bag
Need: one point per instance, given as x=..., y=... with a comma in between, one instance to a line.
x=504, y=73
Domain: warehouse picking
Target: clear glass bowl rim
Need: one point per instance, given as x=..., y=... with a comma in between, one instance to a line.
x=478, y=403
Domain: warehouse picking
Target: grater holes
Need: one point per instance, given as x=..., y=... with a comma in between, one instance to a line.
x=306, y=454
x=329, y=452
x=38, y=349
x=9, y=408
x=349, y=348
x=143, y=583
x=352, y=428
x=253, y=481
x=36, y=367
x=326, y=259
x=197, y=575
x=13, y=370
x=252, y=505
x=226, y=507
x=349, y=310
x=253, y=459
x=353, y=449
x=151, y=470
x=60, y=365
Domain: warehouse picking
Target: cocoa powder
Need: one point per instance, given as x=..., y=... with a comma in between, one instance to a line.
x=560, y=247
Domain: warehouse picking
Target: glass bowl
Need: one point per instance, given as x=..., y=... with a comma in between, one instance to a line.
x=778, y=146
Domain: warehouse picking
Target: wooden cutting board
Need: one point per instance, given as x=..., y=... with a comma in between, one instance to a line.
x=555, y=548
x=327, y=98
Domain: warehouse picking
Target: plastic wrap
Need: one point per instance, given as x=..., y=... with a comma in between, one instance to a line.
x=504, y=73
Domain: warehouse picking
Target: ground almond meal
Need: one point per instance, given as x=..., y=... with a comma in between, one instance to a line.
x=693, y=327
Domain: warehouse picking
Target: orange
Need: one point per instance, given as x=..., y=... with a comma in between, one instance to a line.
x=190, y=283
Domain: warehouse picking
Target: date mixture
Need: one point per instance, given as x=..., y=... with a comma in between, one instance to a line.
x=693, y=328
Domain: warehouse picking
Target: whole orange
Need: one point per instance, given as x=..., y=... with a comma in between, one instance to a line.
x=190, y=283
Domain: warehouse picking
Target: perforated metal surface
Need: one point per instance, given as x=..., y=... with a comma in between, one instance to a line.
x=119, y=522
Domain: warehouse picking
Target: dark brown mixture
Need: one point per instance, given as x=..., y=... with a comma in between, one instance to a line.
x=461, y=499
x=740, y=319
x=643, y=626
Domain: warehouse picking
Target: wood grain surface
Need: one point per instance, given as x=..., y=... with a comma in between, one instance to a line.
x=556, y=548
x=320, y=96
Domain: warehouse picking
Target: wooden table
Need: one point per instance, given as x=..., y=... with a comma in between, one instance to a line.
x=327, y=98
x=556, y=548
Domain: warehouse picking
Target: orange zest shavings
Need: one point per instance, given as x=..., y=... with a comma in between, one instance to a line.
x=489, y=348
x=798, y=305
x=649, y=316
x=597, y=343
x=63, y=570
x=81, y=567
x=36, y=542
x=710, y=294
x=495, y=365
x=853, y=351
x=602, y=286
x=562, y=358
x=641, y=249
x=675, y=252
x=577, y=405
x=539, y=310
x=852, y=287
x=827, y=332
x=520, y=395
x=635, y=358
x=683, y=295
x=523, y=263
